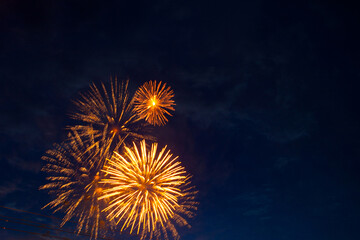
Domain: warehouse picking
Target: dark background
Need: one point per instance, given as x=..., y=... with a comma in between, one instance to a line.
x=267, y=114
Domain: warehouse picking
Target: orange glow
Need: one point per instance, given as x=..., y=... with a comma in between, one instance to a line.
x=146, y=190
x=73, y=168
x=101, y=111
x=103, y=174
x=153, y=101
x=98, y=190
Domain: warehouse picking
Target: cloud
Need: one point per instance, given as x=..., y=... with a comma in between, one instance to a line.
x=256, y=203
x=8, y=188
x=23, y=164
x=259, y=95
x=283, y=162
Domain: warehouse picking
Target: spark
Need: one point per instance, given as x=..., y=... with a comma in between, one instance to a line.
x=148, y=192
x=107, y=113
x=153, y=101
x=74, y=173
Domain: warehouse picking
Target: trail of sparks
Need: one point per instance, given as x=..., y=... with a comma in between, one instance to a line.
x=107, y=112
x=153, y=101
x=147, y=191
x=74, y=173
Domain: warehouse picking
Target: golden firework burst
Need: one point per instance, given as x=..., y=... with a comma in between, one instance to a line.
x=74, y=173
x=153, y=101
x=148, y=191
x=107, y=112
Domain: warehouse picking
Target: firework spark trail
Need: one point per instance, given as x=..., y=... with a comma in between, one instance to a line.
x=105, y=111
x=74, y=173
x=153, y=102
x=149, y=192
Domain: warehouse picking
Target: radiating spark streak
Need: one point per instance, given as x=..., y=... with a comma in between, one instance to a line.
x=147, y=191
x=153, y=101
x=106, y=112
x=74, y=170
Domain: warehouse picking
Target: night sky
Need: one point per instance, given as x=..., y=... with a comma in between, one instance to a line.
x=267, y=115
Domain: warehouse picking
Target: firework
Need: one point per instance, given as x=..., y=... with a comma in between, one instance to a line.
x=74, y=173
x=148, y=192
x=153, y=102
x=107, y=113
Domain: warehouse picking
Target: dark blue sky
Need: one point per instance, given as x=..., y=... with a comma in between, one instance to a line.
x=267, y=116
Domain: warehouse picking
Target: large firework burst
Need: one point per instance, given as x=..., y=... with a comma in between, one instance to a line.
x=149, y=192
x=108, y=113
x=74, y=173
x=153, y=101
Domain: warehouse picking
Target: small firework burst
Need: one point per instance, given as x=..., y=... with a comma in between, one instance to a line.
x=153, y=101
x=107, y=113
x=74, y=171
x=148, y=192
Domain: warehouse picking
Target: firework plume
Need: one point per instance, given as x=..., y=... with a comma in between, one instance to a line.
x=108, y=113
x=153, y=101
x=74, y=173
x=147, y=191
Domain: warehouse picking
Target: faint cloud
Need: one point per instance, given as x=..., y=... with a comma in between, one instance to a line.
x=8, y=188
x=283, y=162
x=27, y=165
x=256, y=203
x=228, y=100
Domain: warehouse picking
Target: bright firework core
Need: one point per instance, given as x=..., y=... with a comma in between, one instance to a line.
x=144, y=187
x=154, y=102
